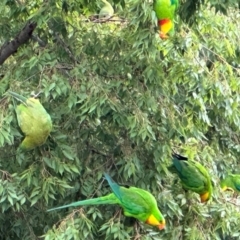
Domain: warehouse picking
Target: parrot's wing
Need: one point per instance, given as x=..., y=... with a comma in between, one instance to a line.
x=134, y=201
x=236, y=182
x=192, y=178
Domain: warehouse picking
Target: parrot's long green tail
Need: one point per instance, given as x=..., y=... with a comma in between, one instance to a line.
x=17, y=96
x=109, y=199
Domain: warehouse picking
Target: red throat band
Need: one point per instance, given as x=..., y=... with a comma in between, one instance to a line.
x=163, y=21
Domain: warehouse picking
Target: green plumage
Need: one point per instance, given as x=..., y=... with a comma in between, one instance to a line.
x=165, y=12
x=135, y=202
x=232, y=181
x=33, y=120
x=165, y=9
x=193, y=175
x=107, y=10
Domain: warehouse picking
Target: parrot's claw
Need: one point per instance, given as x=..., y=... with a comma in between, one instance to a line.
x=35, y=95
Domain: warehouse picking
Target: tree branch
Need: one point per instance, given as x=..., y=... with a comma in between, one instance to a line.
x=95, y=18
x=37, y=39
x=11, y=47
x=66, y=48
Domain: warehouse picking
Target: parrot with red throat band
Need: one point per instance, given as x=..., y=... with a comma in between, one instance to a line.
x=165, y=11
x=136, y=202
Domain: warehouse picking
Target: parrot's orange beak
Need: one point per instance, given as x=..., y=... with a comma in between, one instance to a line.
x=162, y=225
x=204, y=197
x=155, y=222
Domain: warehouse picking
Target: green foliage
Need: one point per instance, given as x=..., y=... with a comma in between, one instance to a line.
x=189, y=8
x=121, y=100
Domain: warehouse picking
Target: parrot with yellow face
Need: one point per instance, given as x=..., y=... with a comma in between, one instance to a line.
x=231, y=182
x=136, y=202
x=33, y=120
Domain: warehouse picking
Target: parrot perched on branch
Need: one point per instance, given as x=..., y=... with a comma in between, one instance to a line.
x=231, y=182
x=165, y=11
x=135, y=202
x=107, y=10
x=33, y=120
x=193, y=175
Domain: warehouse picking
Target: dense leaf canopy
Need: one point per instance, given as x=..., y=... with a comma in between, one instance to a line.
x=121, y=100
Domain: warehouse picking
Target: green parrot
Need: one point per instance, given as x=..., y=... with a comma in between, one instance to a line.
x=107, y=10
x=165, y=11
x=33, y=120
x=193, y=175
x=135, y=202
x=231, y=182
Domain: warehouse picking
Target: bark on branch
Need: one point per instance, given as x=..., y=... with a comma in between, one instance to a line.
x=11, y=47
